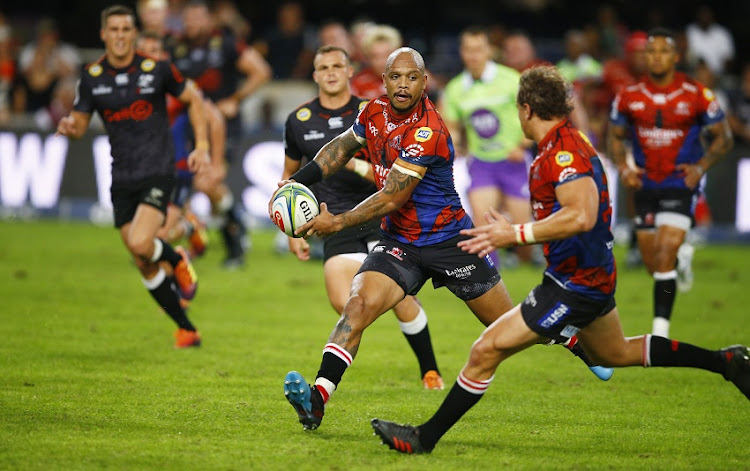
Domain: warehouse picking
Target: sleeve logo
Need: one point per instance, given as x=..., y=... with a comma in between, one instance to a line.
x=362, y=104
x=423, y=134
x=303, y=114
x=95, y=70
x=708, y=94
x=148, y=65
x=563, y=158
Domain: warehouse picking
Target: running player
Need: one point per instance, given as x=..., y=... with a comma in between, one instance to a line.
x=664, y=115
x=128, y=91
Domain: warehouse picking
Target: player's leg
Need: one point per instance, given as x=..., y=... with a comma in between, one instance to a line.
x=519, y=210
x=506, y=336
x=372, y=294
x=604, y=340
x=513, y=182
x=412, y=319
x=483, y=194
x=147, y=250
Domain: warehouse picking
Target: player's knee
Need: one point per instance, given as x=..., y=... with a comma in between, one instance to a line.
x=358, y=312
x=141, y=247
x=484, y=353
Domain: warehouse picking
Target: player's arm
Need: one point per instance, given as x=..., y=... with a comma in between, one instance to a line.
x=617, y=151
x=719, y=137
x=193, y=98
x=257, y=72
x=329, y=159
x=74, y=125
x=290, y=166
x=399, y=185
x=212, y=175
x=579, y=205
x=361, y=168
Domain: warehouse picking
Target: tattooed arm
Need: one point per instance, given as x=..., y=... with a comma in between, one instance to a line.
x=334, y=155
x=400, y=183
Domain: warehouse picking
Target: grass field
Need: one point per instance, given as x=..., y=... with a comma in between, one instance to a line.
x=89, y=379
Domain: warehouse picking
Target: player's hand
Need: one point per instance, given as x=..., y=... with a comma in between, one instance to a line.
x=300, y=248
x=229, y=107
x=270, y=202
x=498, y=233
x=693, y=174
x=66, y=126
x=197, y=160
x=209, y=177
x=322, y=225
x=632, y=177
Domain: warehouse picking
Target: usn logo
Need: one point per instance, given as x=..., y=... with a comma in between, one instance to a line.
x=554, y=315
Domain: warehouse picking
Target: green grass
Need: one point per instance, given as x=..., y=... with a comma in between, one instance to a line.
x=89, y=379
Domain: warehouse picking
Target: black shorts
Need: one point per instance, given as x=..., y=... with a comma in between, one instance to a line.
x=558, y=314
x=648, y=203
x=465, y=275
x=351, y=240
x=154, y=191
x=182, y=190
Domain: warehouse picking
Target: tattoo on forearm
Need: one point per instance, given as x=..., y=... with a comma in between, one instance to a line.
x=336, y=153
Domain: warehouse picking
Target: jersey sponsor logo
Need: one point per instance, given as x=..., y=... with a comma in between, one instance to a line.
x=373, y=130
x=101, y=90
x=148, y=65
x=485, y=123
x=659, y=137
x=461, y=272
x=637, y=106
x=95, y=70
x=554, y=315
x=566, y=174
x=313, y=135
x=121, y=79
x=396, y=252
x=303, y=114
x=564, y=158
x=335, y=122
x=144, y=83
x=139, y=110
x=423, y=134
x=414, y=151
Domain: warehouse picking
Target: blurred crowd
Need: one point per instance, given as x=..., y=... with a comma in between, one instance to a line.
x=38, y=73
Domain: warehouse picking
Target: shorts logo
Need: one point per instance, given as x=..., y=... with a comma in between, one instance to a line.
x=461, y=272
x=531, y=299
x=95, y=70
x=564, y=158
x=154, y=197
x=378, y=249
x=148, y=65
x=554, y=315
x=423, y=134
x=304, y=114
x=396, y=252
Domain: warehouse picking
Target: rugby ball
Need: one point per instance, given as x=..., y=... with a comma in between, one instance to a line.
x=293, y=206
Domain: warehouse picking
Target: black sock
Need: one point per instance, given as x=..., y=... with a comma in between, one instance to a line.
x=575, y=348
x=332, y=368
x=665, y=292
x=166, y=296
x=454, y=406
x=666, y=352
x=422, y=346
x=168, y=254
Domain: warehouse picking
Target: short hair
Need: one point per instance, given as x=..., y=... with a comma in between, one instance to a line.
x=331, y=48
x=418, y=59
x=117, y=10
x=474, y=30
x=150, y=35
x=545, y=91
x=378, y=33
x=660, y=32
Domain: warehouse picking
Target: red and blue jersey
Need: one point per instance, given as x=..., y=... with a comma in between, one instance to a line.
x=584, y=262
x=666, y=123
x=433, y=213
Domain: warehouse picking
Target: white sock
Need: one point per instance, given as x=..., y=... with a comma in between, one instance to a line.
x=660, y=327
x=328, y=386
x=415, y=326
x=158, y=249
x=154, y=282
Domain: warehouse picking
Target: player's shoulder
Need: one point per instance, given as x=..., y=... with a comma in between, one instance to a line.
x=693, y=86
x=148, y=64
x=93, y=69
x=305, y=111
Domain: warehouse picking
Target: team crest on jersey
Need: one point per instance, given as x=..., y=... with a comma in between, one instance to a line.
x=563, y=158
x=95, y=70
x=423, y=134
x=148, y=65
x=303, y=114
x=708, y=94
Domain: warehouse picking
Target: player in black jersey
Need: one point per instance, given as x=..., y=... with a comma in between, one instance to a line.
x=306, y=130
x=128, y=91
x=227, y=71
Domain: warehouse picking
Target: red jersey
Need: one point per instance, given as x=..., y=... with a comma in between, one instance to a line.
x=433, y=212
x=583, y=263
x=367, y=84
x=666, y=123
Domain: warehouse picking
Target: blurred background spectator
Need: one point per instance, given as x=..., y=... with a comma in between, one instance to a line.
x=289, y=45
x=709, y=41
x=7, y=68
x=378, y=42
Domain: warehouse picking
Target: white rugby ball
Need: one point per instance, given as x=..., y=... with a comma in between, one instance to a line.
x=293, y=206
